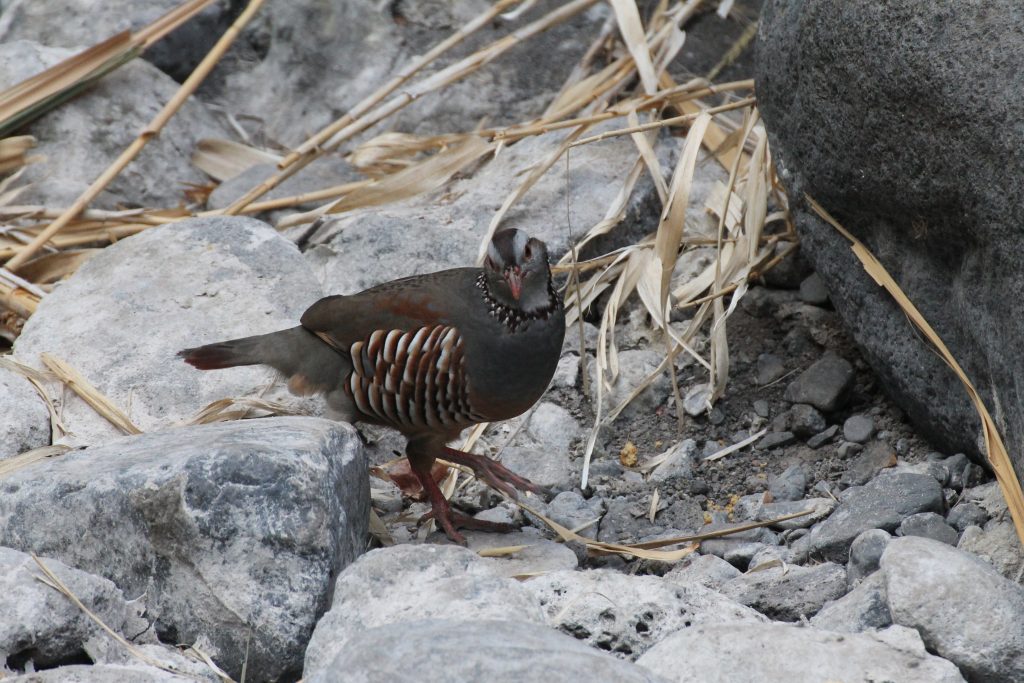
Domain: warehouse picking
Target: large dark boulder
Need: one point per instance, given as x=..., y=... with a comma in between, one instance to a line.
x=903, y=119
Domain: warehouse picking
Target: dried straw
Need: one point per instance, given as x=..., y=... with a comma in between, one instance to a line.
x=151, y=131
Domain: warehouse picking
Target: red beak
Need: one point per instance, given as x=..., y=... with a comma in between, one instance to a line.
x=514, y=278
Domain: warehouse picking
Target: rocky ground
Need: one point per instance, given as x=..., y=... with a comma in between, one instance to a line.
x=286, y=547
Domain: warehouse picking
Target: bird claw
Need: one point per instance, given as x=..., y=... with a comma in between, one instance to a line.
x=450, y=520
x=493, y=473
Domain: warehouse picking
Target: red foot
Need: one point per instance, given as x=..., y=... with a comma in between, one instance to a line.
x=441, y=510
x=493, y=473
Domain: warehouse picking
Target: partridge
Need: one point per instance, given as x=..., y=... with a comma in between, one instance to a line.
x=428, y=355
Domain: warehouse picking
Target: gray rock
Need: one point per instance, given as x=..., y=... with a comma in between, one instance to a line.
x=958, y=467
x=679, y=462
x=976, y=624
x=806, y=420
x=875, y=457
x=704, y=570
x=998, y=544
x=761, y=408
x=626, y=520
x=453, y=651
x=864, y=608
x=102, y=673
x=865, y=554
x=544, y=467
x=151, y=295
x=539, y=555
x=157, y=177
x=327, y=171
x=825, y=385
x=407, y=582
x=24, y=419
x=753, y=653
x=566, y=372
x=775, y=440
x=820, y=507
x=552, y=427
x=813, y=291
x=696, y=400
x=740, y=547
x=363, y=46
x=823, y=437
x=42, y=626
x=928, y=525
x=634, y=366
x=627, y=614
x=573, y=511
x=966, y=514
x=769, y=368
x=741, y=554
x=882, y=181
x=106, y=652
x=65, y=23
x=789, y=272
x=858, y=428
x=881, y=504
x=988, y=497
x=233, y=531
x=788, y=593
x=790, y=485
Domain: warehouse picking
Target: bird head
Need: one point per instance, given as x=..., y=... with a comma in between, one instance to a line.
x=517, y=271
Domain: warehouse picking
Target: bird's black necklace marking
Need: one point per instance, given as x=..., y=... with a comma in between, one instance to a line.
x=511, y=317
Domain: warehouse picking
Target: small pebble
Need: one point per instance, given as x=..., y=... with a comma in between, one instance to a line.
x=813, y=291
x=769, y=368
x=790, y=485
x=928, y=525
x=805, y=420
x=775, y=440
x=822, y=438
x=761, y=408
x=858, y=428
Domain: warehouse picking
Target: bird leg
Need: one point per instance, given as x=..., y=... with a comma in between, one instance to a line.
x=441, y=510
x=493, y=473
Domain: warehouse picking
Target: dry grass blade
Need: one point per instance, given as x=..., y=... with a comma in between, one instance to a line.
x=151, y=131
x=392, y=152
x=674, y=121
x=13, y=151
x=503, y=551
x=34, y=96
x=718, y=455
x=369, y=117
x=88, y=393
x=601, y=547
x=721, y=533
x=403, y=76
x=50, y=268
x=226, y=409
x=51, y=580
x=998, y=457
x=16, y=299
x=25, y=101
x=38, y=380
x=632, y=30
x=224, y=159
x=425, y=176
x=9, y=466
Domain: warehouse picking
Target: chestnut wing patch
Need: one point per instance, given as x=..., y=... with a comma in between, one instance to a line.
x=412, y=378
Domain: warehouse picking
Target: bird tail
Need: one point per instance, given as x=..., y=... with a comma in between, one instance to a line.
x=310, y=365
